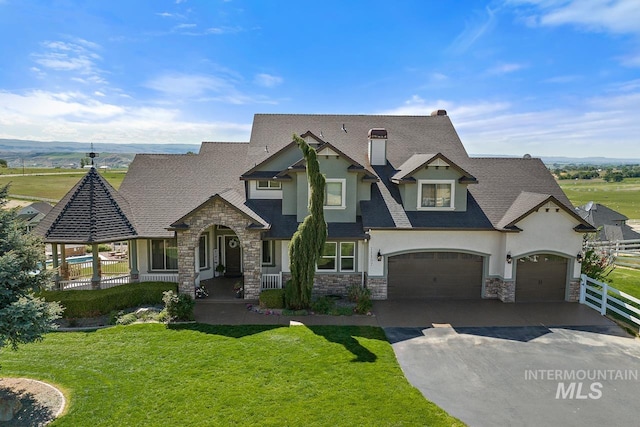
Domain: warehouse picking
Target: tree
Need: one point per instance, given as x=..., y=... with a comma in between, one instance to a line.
x=23, y=317
x=308, y=241
x=3, y=163
x=596, y=263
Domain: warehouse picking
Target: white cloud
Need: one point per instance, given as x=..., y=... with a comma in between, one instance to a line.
x=481, y=23
x=77, y=57
x=73, y=116
x=267, y=80
x=604, y=125
x=615, y=16
x=165, y=14
x=506, y=68
x=187, y=85
x=562, y=79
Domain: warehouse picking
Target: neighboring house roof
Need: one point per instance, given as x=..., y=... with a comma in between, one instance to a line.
x=612, y=224
x=39, y=207
x=162, y=188
x=91, y=212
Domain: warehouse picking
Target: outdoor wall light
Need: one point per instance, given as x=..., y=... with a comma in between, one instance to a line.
x=579, y=257
x=509, y=259
x=379, y=255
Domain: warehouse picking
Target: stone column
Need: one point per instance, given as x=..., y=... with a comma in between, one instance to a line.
x=95, y=279
x=186, y=262
x=252, y=265
x=133, y=261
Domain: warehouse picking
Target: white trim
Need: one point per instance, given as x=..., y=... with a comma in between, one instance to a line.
x=353, y=257
x=269, y=184
x=335, y=257
x=343, y=182
x=451, y=182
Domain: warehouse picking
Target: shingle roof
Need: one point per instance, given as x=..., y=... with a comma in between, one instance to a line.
x=612, y=222
x=417, y=161
x=91, y=212
x=164, y=188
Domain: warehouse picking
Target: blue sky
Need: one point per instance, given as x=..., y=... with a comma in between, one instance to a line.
x=545, y=77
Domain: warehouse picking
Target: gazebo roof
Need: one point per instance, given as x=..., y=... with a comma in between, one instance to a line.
x=91, y=212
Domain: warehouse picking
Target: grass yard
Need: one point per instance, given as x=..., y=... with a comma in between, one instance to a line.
x=625, y=280
x=52, y=186
x=623, y=197
x=201, y=375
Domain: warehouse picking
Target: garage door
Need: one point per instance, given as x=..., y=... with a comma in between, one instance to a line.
x=435, y=275
x=541, y=277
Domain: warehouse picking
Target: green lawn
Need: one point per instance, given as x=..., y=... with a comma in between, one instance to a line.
x=200, y=375
x=623, y=197
x=625, y=280
x=52, y=186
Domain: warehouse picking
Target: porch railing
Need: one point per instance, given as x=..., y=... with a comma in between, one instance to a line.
x=599, y=296
x=272, y=281
x=159, y=277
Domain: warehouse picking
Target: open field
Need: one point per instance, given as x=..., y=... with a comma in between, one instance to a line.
x=625, y=280
x=196, y=375
x=623, y=197
x=53, y=186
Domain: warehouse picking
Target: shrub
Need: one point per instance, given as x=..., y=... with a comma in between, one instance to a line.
x=323, y=305
x=362, y=297
x=272, y=298
x=100, y=302
x=102, y=247
x=178, y=307
x=127, y=319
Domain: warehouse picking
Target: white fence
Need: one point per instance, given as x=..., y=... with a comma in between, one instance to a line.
x=618, y=247
x=105, y=282
x=597, y=295
x=272, y=281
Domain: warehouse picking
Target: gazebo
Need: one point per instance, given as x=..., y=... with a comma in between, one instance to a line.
x=91, y=213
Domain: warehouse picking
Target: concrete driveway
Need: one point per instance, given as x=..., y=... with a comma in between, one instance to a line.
x=524, y=375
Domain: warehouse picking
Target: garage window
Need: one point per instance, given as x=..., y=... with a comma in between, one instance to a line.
x=436, y=194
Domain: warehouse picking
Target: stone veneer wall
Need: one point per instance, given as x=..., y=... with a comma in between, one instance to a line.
x=574, y=290
x=378, y=287
x=216, y=211
x=492, y=287
x=331, y=284
x=507, y=292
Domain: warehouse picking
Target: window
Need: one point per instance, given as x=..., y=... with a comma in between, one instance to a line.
x=347, y=256
x=164, y=254
x=203, y=248
x=334, y=193
x=268, y=185
x=267, y=252
x=333, y=253
x=436, y=195
x=327, y=261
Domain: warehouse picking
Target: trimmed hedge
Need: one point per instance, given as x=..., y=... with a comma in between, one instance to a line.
x=272, y=298
x=92, y=303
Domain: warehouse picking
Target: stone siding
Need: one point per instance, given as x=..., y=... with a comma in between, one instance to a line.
x=507, y=292
x=378, y=287
x=216, y=211
x=330, y=284
x=492, y=287
x=574, y=290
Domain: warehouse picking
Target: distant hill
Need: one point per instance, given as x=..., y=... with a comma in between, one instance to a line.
x=68, y=154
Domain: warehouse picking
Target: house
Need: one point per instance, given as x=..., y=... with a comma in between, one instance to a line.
x=612, y=225
x=410, y=214
x=32, y=214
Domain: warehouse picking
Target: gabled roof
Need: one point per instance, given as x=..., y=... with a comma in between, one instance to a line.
x=418, y=161
x=330, y=148
x=162, y=188
x=610, y=222
x=527, y=203
x=91, y=212
x=233, y=199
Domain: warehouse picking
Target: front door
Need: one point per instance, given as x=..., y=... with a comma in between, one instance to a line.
x=232, y=257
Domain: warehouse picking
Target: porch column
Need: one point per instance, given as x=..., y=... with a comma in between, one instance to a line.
x=252, y=265
x=56, y=275
x=95, y=279
x=64, y=267
x=133, y=261
x=186, y=262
